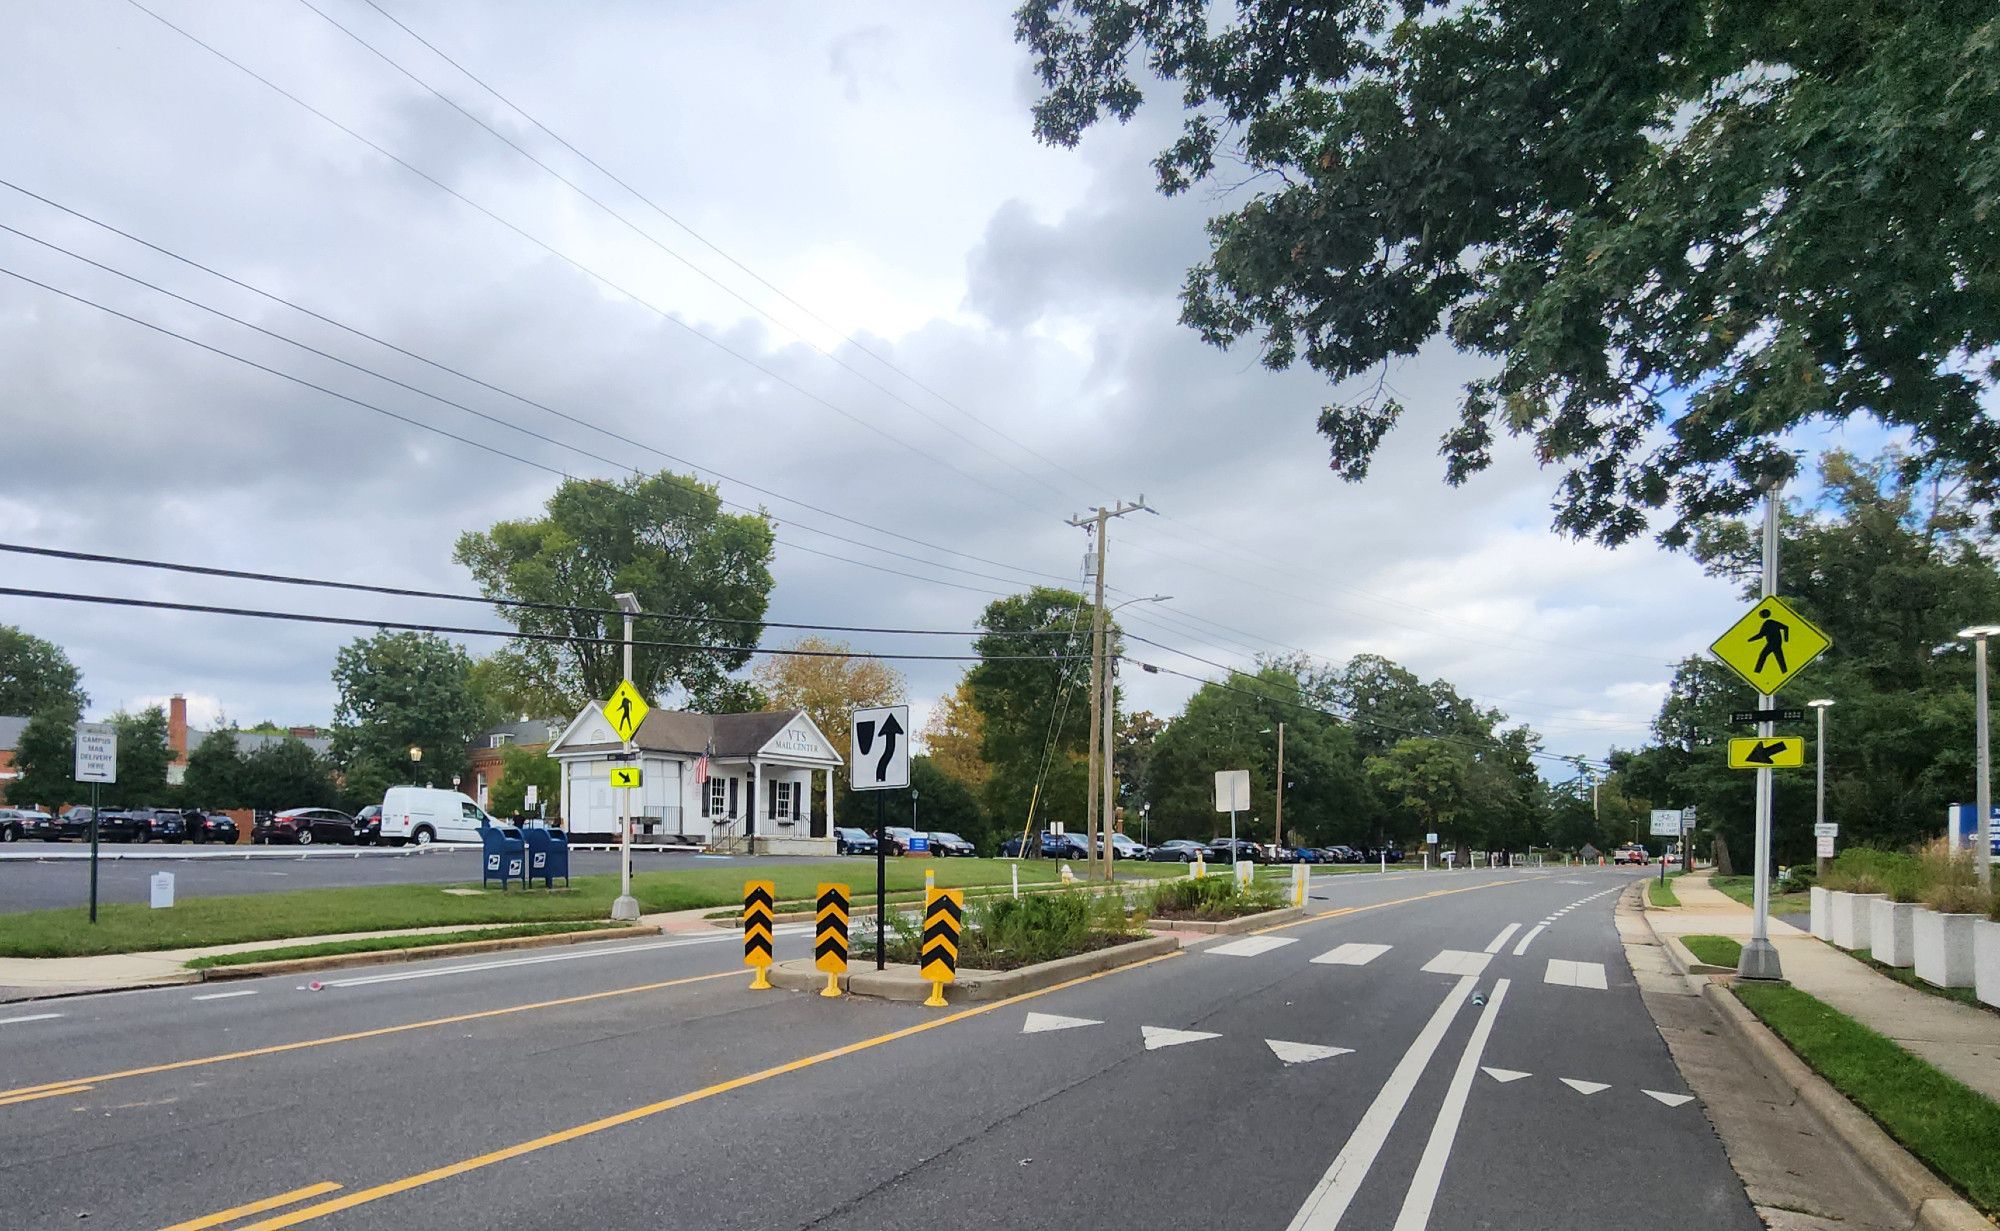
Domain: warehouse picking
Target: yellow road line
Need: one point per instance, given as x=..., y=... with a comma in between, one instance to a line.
x=9, y=1100
x=279, y=1048
x=255, y=1207
x=366, y=1195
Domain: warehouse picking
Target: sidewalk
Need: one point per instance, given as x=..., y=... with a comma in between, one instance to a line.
x=28, y=978
x=1959, y=1040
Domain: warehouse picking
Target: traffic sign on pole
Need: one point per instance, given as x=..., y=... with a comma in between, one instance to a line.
x=625, y=777
x=937, y=956
x=760, y=902
x=626, y=710
x=1232, y=790
x=1775, y=752
x=1827, y=829
x=879, y=749
x=96, y=752
x=1770, y=644
x=1666, y=822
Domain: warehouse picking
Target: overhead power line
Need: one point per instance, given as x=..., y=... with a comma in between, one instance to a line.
x=301, y=617
x=207, y=570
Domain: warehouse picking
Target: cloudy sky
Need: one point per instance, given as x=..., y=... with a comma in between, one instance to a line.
x=951, y=333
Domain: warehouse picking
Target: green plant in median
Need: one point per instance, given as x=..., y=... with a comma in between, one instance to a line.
x=377, y=944
x=1714, y=950
x=1212, y=897
x=1952, y=1128
x=1005, y=933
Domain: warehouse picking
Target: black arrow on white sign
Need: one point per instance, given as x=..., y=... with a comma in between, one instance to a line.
x=889, y=730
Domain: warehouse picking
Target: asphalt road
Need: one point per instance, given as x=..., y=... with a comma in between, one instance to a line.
x=1456, y=1066
x=33, y=880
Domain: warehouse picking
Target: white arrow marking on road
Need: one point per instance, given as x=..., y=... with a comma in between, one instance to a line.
x=34, y=1017
x=1159, y=1036
x=1251, y=946
x=1671, y=1100
x=1304, y=1053
x=1504, y=1076
x=1038, y=1022
x=1584, y=1087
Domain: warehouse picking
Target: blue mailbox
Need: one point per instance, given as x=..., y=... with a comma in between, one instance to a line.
x=504, y=857
x=548, y=854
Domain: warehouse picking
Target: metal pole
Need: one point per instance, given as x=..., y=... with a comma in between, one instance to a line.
x=1983, y=799
x=1096, y=709
x=1760, y=957
x=1278, y=836
x=627, y=906
x=1819, y=789
x=1109, y=810
x=93, y=852
x=881, y=883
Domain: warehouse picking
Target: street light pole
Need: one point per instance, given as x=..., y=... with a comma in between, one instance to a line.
x=1983, y=736
x=1759, y=959
x=1819, y=805
x=627, y=906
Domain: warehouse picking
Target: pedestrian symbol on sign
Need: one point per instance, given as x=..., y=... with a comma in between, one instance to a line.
x=1774, y=634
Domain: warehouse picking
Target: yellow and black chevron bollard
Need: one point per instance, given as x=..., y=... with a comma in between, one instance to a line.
x=937, y=958
x=830, y=936
x=760, y=900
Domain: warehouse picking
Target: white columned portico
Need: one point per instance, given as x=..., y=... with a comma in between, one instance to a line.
x=750, y=803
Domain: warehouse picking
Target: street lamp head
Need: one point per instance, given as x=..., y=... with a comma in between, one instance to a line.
x=416, y=753
x=627, y=601
x=1822, y=703
x=1980, y=632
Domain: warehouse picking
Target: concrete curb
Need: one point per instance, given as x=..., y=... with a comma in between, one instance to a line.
x=381, y=957
x=902, y=983
x=1230, y=927
x=1932, y=1202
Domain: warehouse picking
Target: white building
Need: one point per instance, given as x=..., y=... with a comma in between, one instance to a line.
x=760, y=795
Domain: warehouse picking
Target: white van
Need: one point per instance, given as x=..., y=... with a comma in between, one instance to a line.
x=424, y=815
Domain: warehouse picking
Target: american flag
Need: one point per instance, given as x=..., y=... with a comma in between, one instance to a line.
x=701, y=764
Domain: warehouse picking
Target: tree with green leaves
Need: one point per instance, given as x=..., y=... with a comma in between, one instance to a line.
x=36, y=675
x=1032, y=689
x=288, y=774
x=1679, y=231
x=942, y=803
x=214, y=776
x=45, y=759
x=521, y=768
x=400, y=691
x=663, y=538
x=1426, y=785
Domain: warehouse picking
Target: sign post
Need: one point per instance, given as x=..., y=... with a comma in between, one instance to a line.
x=96, y=763
x=1666, y=823
x=625, y=710
x=879, y=760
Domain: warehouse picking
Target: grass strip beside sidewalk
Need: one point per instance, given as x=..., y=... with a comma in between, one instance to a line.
x=1954, y=1129
x=1743, y=889
x=378, y=944
x=197, y=922
x=1661, y=892
x=1714, y=950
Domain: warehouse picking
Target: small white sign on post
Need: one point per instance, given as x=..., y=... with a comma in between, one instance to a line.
x=1232, y=790
x=533, y=795
x=1430, y=839
x=96, y=752
x=1826, y=829
x=879, y=749
x=1666, y=822
x=163, y=890
x=1825, y=847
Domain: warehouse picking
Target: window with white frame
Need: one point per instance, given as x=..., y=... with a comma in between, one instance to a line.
x=717, y=797
x=499, y=740
x=781, y=800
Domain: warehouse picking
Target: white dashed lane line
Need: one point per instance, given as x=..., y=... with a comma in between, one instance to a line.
x=32, y=1017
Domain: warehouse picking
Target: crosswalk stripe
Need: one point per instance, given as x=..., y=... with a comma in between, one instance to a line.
x=1457, y=962
x=1353, y=953
x=1564, y=973
x=1250, y=946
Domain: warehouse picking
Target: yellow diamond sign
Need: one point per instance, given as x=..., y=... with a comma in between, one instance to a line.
x=1770, y=644
x=626, y=710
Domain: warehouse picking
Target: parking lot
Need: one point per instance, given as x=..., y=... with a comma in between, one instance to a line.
x=33, y=878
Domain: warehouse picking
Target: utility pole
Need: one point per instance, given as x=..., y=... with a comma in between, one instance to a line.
x=1819, y=789
x=1982, y=821
x=1278, y=837
x=627, y=906
x=1760, y=957
x=1099, y=787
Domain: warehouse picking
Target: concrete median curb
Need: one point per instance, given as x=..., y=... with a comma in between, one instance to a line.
x=1932, y=1203
x=415, y=953
x=902, y=983
x=1242, y=923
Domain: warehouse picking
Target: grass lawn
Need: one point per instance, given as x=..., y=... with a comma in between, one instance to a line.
x=1714, y=950
x=135, y=927
x=1661, y=892
x=1952, y=1128
x=1743, y=889
x=377, y=944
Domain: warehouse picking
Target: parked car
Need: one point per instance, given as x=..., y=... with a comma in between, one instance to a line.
x=368, y=825
x=1338, y=853
x=114, y=826
x=210, y=826
x=1273, y=852
x=1011, y=848
x=1222, y=850
x=304, y=826
x=1630, y=853
x=853, y=842
x=1382, y=854
x=1124, y=847
x=423, y=815
x=1064, y=846
x=899, y=838
x=38, y=824
x=1179, y=850
x=943, y=844
x=159, y=824
x=19, y=823
x=1305, y=854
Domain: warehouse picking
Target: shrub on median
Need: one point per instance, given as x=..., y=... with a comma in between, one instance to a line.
x=1212, y=897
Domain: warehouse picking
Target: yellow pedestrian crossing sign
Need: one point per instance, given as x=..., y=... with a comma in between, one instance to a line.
x=1770, y=644
x=626, y=710
x=625, y=775
x=1775, y=752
